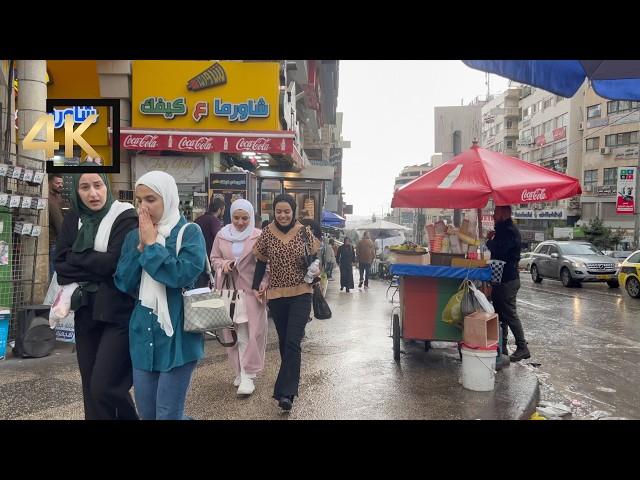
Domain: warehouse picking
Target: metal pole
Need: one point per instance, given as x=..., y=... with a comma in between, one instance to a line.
x=636, y=217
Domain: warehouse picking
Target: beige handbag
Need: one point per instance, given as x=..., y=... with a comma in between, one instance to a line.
x=205, y=311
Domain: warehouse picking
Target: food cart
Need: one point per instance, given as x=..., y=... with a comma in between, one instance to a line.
x=468, y=181
x=424, y=293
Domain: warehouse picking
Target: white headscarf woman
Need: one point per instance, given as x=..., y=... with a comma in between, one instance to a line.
x=231, y=234
x=153, y=294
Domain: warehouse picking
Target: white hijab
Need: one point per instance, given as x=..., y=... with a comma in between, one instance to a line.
x=153, y=294
x=229, y=232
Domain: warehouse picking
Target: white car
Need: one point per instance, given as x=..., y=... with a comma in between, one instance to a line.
x=525, y=261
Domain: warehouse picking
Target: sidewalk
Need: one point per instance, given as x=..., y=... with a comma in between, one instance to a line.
x=348, y=372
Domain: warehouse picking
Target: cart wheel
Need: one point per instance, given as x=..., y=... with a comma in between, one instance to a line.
x=396, y=337
x=427, y=345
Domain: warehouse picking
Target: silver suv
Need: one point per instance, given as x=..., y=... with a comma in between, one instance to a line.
x=572, y=263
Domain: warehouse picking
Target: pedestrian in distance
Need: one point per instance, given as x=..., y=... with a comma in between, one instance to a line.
x=366, y=253
x=346, y=258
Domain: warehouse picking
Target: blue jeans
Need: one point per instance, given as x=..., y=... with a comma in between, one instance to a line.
x=161, y=395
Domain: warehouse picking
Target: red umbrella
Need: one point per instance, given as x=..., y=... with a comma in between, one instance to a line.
x=471, y=178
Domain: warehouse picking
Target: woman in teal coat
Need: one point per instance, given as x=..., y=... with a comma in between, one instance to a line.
x=164, y=356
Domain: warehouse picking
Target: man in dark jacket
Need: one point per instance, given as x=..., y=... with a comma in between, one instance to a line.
x=210, y=224
x=504, y=244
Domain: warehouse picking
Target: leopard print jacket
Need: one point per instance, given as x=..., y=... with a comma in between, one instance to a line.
x=285, y=255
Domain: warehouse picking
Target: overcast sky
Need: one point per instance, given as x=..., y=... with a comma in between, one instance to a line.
x=388, y=117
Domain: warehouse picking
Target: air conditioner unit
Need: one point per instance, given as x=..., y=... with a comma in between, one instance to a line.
x=605, y=151
x=581, y=126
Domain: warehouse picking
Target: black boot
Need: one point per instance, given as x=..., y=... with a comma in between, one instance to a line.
x=521, y=353
x=285, y=403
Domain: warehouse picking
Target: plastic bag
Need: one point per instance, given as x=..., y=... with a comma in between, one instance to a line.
x=62, y=304
x=469, y=303
x=452, y=313
x=481, y=300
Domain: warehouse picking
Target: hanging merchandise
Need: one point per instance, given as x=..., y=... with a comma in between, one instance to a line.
x=4, y=253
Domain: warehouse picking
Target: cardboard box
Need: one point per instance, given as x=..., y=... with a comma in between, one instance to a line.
x=481, y=329
x=396, y=257
x=468, y=263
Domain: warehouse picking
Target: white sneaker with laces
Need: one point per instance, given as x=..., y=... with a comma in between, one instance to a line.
x=246, y=386
x=236, y=382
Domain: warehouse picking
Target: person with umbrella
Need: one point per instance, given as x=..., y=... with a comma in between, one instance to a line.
x=505, y=245
x=346, y=258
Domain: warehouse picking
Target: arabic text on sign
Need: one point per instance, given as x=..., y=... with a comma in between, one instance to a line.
x=80, y=114
x=241, y=111
x=167, y=108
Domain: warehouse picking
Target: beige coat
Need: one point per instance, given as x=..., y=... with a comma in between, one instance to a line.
x=366, y=251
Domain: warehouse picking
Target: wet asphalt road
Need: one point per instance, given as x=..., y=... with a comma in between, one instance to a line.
x=587, y=340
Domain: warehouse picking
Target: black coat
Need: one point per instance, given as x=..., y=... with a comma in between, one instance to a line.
x=109, y=304
x=346, y=257
x=506, y=246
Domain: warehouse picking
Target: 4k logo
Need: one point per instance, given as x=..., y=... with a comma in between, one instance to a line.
x=79, y=115
x=70, y=136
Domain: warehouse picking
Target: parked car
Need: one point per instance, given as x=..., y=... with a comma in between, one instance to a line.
x=618, y=254
x=629, y=275
x=525, y=261
x=573, y=262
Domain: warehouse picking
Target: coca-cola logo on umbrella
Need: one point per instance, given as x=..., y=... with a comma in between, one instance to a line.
x=141, y=142
x=535, y=195
x=199, y=144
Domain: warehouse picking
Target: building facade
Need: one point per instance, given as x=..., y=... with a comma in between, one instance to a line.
x=610, y=144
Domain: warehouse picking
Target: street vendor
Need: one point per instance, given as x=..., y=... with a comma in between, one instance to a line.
x=505, y=244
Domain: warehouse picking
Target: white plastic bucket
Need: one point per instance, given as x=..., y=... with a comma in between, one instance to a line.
x=478, y=369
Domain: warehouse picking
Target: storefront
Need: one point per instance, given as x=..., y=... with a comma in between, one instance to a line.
x=207, y=117
x=306, y=186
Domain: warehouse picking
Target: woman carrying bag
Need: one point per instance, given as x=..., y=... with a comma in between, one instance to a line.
x=164, y=356
x=232, y=254
x=87, y=252
x=282, y=245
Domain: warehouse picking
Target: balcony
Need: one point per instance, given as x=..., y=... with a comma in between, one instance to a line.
x=512, y=132
x=512, y=112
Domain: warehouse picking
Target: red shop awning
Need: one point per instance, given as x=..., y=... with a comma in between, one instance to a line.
x=208, y=141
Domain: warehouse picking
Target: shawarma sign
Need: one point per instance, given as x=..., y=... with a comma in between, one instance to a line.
x=206, y=95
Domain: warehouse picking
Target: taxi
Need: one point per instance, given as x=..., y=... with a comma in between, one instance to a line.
x=629, y=276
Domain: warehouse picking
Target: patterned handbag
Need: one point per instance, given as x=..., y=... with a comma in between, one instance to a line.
x=205, y=311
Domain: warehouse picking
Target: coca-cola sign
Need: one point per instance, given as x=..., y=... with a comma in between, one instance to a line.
x=259, y=144
x=536, y=195
x=140, y=142
x=199, y=144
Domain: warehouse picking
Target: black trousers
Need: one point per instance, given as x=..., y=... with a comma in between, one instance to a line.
x=365, y=271
x=290, y=315
x=503, y=296
x=105, y=368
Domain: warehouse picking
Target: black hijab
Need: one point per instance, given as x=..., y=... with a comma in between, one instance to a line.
x=285, y=197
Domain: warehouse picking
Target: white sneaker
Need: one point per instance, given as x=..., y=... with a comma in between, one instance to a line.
x=236, y=382
x=246, y=386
